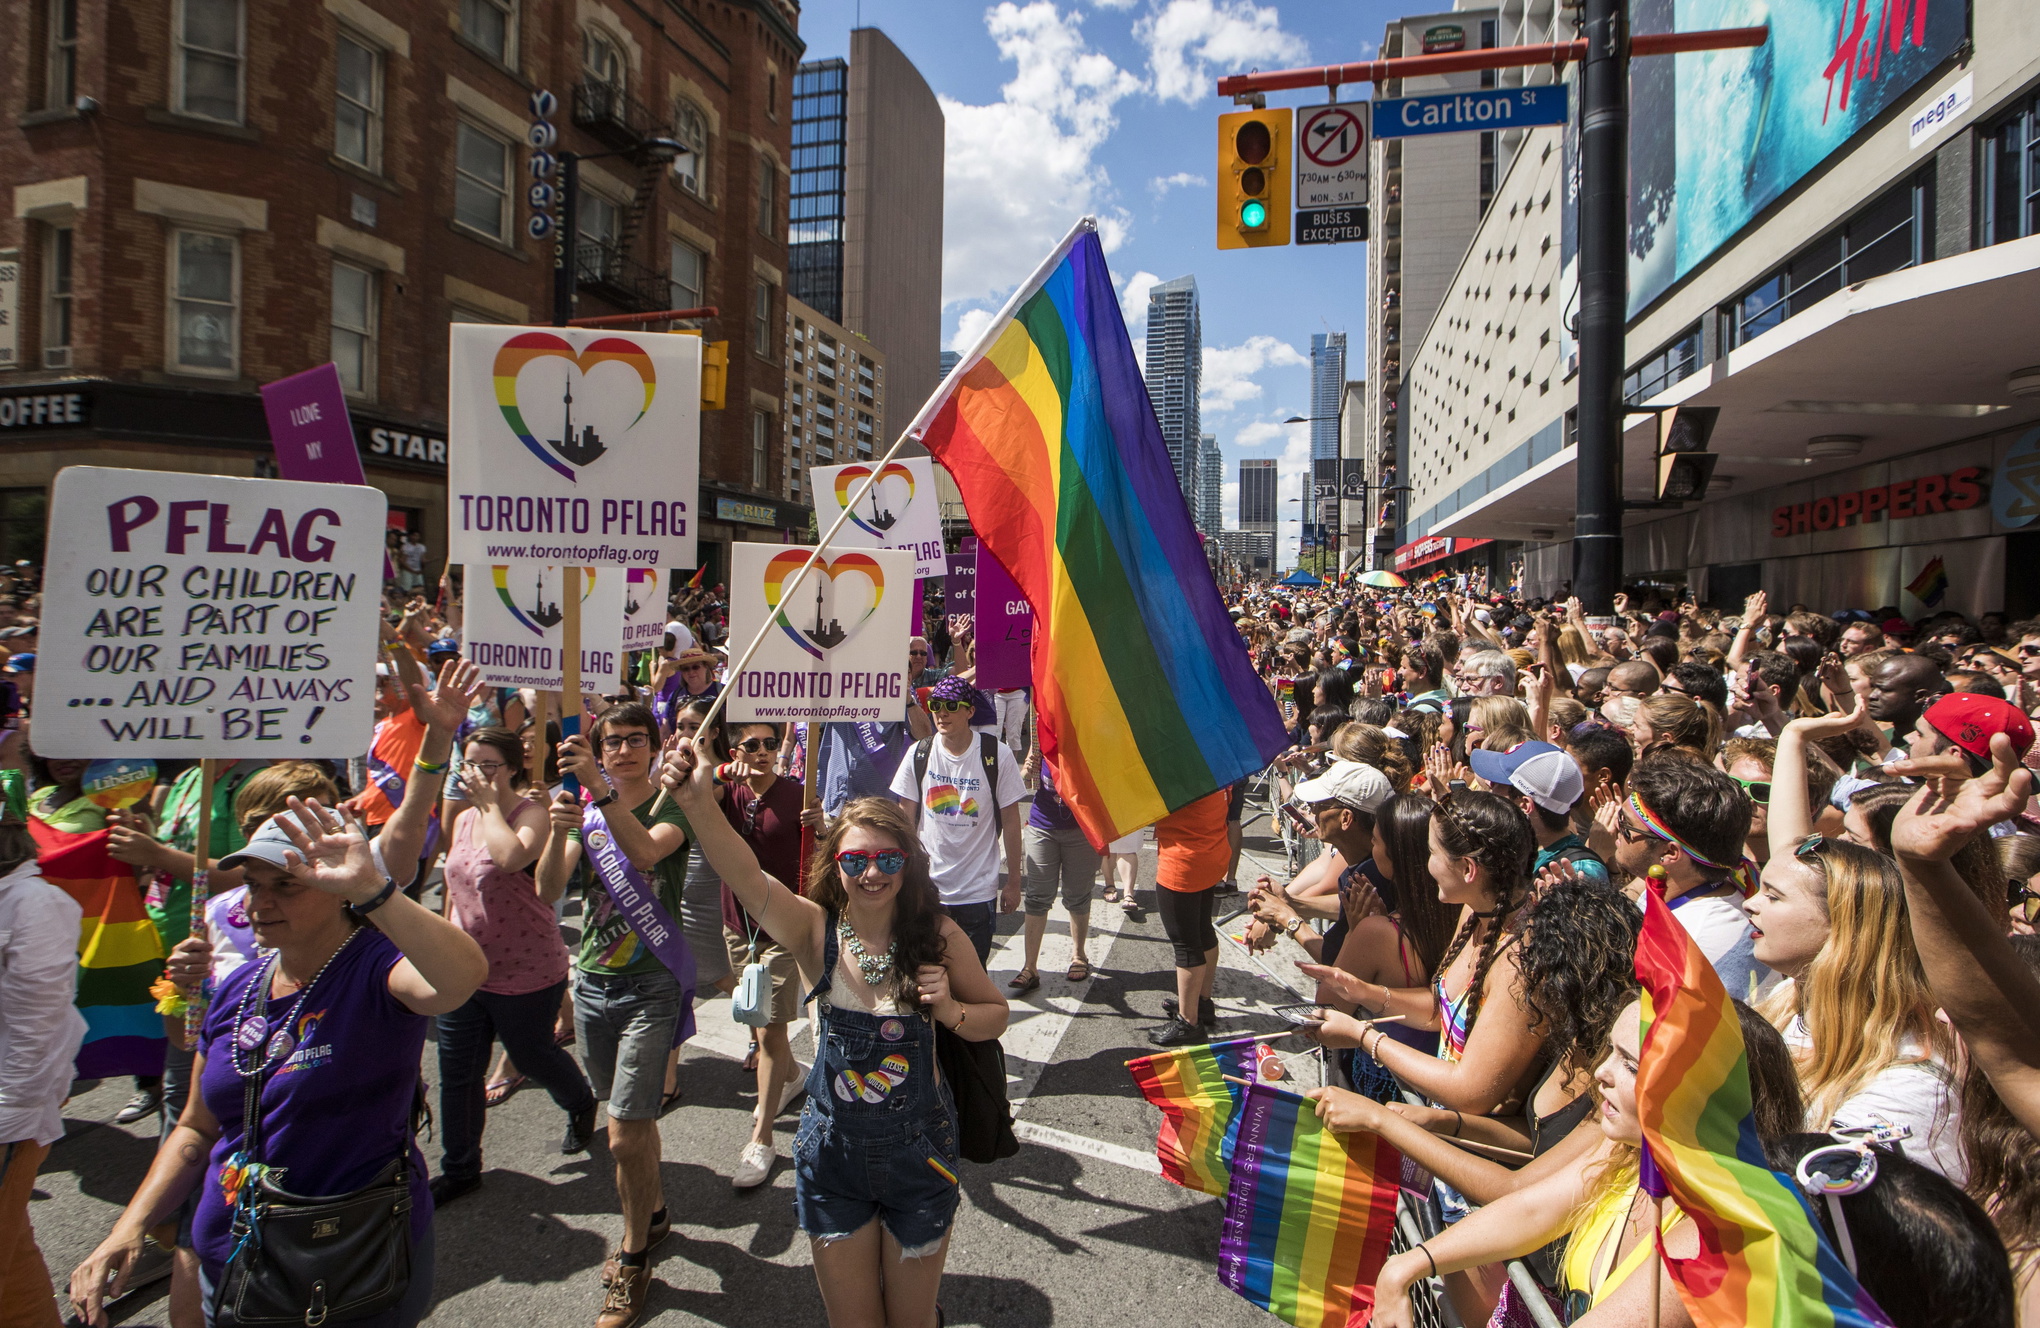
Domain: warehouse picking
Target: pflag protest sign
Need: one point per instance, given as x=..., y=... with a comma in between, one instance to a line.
x=644, y=609
x=311, y=428
x=897, y=511
x=206, y=616
x=572, y=445
x=837, y=650
x=959, y=587
x=1005, y=626
x=515, y=625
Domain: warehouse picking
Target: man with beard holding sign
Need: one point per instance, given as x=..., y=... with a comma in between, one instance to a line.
x=635, y=976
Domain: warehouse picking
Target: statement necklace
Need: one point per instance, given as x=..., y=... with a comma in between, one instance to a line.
x=255, y=1033
x=873, y=967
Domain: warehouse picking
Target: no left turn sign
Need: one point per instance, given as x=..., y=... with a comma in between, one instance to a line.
x=1331, y=156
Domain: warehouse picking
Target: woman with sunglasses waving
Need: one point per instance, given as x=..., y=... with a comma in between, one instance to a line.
x=491, y=896
x=874, y=1161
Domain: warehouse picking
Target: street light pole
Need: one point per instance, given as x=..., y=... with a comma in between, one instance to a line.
x=1604, y=299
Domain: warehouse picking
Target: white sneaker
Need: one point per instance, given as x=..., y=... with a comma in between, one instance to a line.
x=754, y=1164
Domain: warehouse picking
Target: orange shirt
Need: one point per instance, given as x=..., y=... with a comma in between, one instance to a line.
x=397, y=743
x=1192, y=845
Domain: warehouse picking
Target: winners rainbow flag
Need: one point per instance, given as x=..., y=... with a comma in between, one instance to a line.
x=1146, y=695
x=1198, y=1107
x=1763, y=1261
x=119, y=953
x=1309, y=1215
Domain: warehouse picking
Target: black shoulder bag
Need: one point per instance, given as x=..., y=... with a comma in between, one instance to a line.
x=299, y=1259
x=976, y=1072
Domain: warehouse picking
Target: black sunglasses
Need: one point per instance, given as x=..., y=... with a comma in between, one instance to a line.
x=760, y=744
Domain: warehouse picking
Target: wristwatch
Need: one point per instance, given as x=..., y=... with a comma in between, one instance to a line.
x=1293, y=926
x=606, y=798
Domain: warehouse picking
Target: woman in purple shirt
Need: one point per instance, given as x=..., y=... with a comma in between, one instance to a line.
x=334, y=1021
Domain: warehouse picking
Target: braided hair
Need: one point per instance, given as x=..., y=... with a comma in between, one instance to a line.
x=1494, y=832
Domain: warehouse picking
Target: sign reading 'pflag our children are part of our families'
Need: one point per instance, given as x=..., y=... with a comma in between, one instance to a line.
x=513, y=626
x=572, y=445
x=203, y=616
x=836, y=647
x=899, y=511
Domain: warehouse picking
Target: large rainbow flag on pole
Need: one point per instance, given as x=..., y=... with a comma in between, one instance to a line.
x=119, y=953
x=1147, y=698
x=1199, y=1108
x=1309, y=1215
x=1763, y=1262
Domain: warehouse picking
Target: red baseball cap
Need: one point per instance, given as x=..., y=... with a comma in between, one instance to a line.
x=1968, y=720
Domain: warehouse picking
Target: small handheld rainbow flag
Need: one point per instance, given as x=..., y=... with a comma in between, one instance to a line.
x=1309, y=1215
x=1763, y=1262
x=119, y=953
x=1198, y=1108
x=694, y=582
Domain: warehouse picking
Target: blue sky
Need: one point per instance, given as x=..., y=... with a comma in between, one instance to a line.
x=1056, y=108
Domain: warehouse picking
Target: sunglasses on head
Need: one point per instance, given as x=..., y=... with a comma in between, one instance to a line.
x=1758, y=789
x=853, y=862
x=760, y=744
x=2026, y=900
x=949, y=707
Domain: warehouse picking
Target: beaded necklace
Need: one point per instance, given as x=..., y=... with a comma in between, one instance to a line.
x=257, y=1032
x=873, y=967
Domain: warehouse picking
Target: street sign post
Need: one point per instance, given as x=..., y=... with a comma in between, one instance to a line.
x=1459, y=112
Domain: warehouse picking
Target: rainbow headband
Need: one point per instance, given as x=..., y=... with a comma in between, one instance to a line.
x=1662, y=831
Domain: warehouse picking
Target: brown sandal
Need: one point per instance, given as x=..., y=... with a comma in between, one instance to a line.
x=1025, y=980
x=1080, y=970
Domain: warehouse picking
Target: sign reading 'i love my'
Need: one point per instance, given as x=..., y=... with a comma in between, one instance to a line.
x=572, y=445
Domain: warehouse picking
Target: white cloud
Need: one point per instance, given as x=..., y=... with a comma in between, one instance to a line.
x=1020, y=171
x=1114, y=4
x=1228, y=371
x=1229, y=506
x=1190, y=42
x=971, y=325
x=1162, y=184
x=1262, y=432
x=1133, y=300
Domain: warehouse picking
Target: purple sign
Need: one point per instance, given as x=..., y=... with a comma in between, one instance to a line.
x=1005, y=627
x=309, y=424
x=960, y=585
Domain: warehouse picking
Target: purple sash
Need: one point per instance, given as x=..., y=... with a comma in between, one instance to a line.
x=640, y=907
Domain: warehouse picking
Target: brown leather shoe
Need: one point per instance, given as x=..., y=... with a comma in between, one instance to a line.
x=660, y=1229
x=625, y=1299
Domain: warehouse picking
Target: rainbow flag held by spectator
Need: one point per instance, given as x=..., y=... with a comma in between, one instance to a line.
x=1199, y=1108
x=1309, y=1215
x=1146, y=696
x=1931, y=585
x=119, y=953
x=1763, y=1261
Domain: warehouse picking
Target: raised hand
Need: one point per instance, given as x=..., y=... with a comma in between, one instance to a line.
x=447, y=704
x=1755, y=607
x=1815, y=727
x=1949, y=812
x=331, y=853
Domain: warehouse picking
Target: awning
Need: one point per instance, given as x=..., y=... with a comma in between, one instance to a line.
x=1908, y=361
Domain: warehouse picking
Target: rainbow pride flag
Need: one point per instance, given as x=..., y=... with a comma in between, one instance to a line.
x=1146, y=696
x=1763, y=1261
x=119, y=953
x=1309, y=1215
x=1195, y=1142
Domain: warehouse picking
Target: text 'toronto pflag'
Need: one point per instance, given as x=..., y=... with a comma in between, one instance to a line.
x=1146, y=696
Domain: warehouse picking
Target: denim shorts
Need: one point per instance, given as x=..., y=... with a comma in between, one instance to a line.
x=906, y=1178
x=625, y=1024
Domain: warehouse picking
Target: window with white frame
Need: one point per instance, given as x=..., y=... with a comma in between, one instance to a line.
x=357, y=103
x=205, y=294
x=690, y=168
x=761, y=435
x=688, y=267
x=60, y=65
x=209, y=36
x=761, y=320
x=600, y=59
x=481, y=181
x=56, y=297
x=354, y=323
x=492, y=26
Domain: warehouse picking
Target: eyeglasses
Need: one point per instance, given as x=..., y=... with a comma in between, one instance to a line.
x=1810, y=846
x=760, y=744
x=949, y=707
x=483, y=767
x=2027, y=648
x=690, y=668
x=1759, y=790
x=890, y=861
x=1630, y=834
x=2027, y=900
x=616, y=742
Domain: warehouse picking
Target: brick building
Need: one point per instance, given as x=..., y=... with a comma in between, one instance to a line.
x=207, y=195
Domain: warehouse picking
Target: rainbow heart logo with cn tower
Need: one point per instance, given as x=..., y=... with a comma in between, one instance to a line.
x=542, y=613
x=880, y=517
x=823, y=635
x=574, y=447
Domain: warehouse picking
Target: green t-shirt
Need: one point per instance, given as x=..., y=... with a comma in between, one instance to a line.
x=168, y=898
x=608, y=945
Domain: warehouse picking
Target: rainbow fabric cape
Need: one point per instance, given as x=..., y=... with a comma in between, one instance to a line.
x=1198, y=1108
x=1309, y=1215
x=1763, y=1260
x=119, y=953
x=1146, y=696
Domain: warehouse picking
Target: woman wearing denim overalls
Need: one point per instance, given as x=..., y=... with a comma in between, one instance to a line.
x=875, y=1158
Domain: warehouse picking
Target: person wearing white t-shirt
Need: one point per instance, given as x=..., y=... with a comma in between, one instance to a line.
x=963, y=791
x=1691, y=820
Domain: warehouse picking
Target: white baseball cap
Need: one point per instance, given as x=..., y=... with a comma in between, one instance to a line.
x=1354, y=783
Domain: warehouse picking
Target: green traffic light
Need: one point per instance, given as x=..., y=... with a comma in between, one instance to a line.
x=1253, y=214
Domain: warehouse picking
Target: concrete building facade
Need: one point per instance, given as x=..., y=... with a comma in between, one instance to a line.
x=835, y=397
x=1258, y=507
x=1210, y=485
x=1174, y=373
x=1327, y=392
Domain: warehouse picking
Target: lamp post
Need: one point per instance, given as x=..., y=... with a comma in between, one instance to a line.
x=566, y=245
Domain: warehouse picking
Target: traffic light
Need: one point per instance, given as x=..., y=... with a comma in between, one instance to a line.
x=715, y=373
x=1684, y=465
x=1254, y=178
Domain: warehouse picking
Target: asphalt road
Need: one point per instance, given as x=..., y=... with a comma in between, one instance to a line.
x=1078, y=1229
